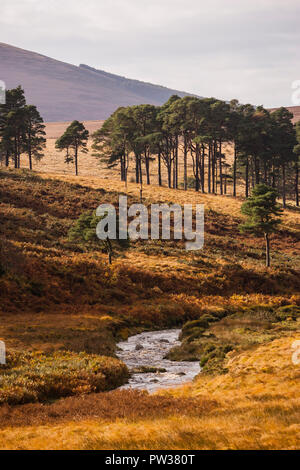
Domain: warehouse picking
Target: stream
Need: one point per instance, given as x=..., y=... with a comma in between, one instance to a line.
x=144, y=356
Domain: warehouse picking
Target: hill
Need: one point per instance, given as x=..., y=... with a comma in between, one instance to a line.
x=63, y=302
x=64, y=92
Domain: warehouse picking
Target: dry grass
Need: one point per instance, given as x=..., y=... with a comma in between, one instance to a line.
x=255, y=406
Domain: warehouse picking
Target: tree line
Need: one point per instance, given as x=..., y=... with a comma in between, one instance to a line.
x=266, y=145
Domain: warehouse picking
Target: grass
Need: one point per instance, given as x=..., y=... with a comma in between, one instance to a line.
x=255, y=405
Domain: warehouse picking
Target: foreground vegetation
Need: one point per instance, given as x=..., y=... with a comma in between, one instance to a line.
x=255, y=405
x=33, y=377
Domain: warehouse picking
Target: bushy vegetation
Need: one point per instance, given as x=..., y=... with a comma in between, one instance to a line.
x=36, y=377
x=211, y=337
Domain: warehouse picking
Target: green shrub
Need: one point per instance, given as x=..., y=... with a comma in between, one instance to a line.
x=288, y=311
x=194, y=333
x=209, y=318
x=218, y=312
x=193, y=324
x=212, y=359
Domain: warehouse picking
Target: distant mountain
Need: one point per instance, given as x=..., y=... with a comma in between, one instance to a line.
x=64, y=92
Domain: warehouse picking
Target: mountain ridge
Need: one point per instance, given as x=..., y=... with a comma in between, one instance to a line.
x=64, y=91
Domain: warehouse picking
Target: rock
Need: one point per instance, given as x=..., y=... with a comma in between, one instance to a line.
x=138, y=347
x=181, y=373
x=147, y=370
x=164, y=340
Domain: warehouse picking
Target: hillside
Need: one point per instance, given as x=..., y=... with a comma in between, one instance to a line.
x=64, y=92
x=62, y=302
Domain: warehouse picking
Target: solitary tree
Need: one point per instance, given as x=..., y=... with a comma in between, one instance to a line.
x=84, y=231
x=73, y=139
x=262, y=212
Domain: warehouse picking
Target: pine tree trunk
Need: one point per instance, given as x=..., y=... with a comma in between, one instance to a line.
x=297, y=184
x=247, y=178
x=212, y=171
x=203, y=169
x=147, y=165
x=265, y=173
x=29, y=150
x=267, y=250
x=7, y=158
x=256, y=170
x=209, y=170
x=185, y=163
x=176, y=164
x=169, y=174
x=15, y=153
x=220, y=169
x=197, y=171
x=137, y=170
x=159, y=169
x=174, y=171
x=76, y=160
x=234, y=172
x=122, y=168
x=283, y=186
x=141, y=181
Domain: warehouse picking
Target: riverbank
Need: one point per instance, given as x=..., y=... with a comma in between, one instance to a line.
x=255, y=405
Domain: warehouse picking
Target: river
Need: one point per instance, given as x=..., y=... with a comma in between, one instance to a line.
x=147, y=350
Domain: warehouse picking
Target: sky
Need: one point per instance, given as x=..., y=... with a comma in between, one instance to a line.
x=244, y=49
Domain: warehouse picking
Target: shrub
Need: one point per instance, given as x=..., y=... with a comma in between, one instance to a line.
x=218, y=312
x=212, y=359
x=36, y=377
x=194, y=333
x=201, y=323
x=288, y=311
x=209, y=318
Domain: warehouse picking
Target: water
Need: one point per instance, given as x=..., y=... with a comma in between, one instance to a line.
x=148, y=350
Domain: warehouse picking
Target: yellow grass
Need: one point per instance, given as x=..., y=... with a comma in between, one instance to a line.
x=258, y=408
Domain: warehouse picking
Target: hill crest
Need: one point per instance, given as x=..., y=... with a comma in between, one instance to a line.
x=64, y=92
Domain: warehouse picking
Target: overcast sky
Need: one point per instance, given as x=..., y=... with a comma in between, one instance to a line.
x=245, y=49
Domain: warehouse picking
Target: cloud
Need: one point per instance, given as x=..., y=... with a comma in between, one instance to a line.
x=244, y=49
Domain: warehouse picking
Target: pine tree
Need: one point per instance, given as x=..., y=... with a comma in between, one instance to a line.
x=84, y=232
x=74, y=138
x=263, y=214
x=297, y=162
x=34, y=132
